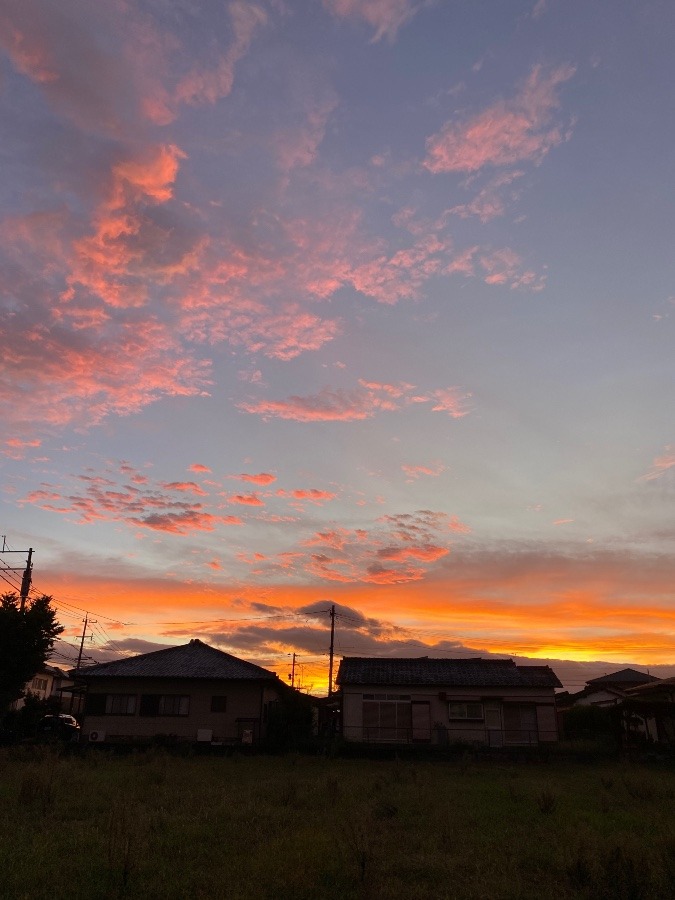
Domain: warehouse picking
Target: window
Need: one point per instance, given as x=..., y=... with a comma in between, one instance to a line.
x=473, y=711
x=387, y=720
x=218, y=704
x=165, y=705
x=120, y=704
x=40, y=684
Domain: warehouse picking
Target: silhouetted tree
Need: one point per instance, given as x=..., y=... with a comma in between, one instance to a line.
x=26, y=639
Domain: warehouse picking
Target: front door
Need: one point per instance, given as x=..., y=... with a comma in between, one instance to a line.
x=421, y=720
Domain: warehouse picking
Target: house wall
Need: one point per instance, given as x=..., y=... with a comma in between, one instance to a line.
x=599, y=698
x=510, y=715
x=244, y=710
x=42, y=685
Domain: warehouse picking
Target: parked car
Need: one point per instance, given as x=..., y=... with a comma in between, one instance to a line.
x=59, y=727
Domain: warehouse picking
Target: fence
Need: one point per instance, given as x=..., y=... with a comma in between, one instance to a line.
x=440, y=735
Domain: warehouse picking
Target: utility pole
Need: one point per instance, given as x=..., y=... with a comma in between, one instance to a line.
x=25, y=581
x=84, y=634
x=292, y=675
x=332, y=649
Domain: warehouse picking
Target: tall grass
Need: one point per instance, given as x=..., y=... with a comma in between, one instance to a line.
x=156, y=826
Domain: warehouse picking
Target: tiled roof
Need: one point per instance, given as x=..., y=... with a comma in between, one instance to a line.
x=193, y=660
x=623, y=676
x=652, y=687
x=444, y=672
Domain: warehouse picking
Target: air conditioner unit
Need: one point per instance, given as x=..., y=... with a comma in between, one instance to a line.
x=96, y=737
x=204, y=735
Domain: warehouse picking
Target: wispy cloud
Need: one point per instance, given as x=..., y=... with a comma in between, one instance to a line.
x=508, y=132
x=385, y=17
x=364, y=402
x=413, y=472
x=660, y=465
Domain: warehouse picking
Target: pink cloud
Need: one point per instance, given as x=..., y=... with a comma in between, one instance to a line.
x=198, y=467
x=364, y=402
x=15, y=448
x=396, y=549
x=184, y=486
x=490, y=201
x=155, y=506
x=261, y=478
x=505, y=267
x=207, y=85
x=312, y=494
x=384, y=16
x=184, y=522
x=401, y=276
x=298, y=147
x=326, y=406
x=414, y=472
x=450, y=400
x=505, y=133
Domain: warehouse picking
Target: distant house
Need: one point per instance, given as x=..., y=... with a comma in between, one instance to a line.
x=491, y=702
x=606, y=690
x=649, y=711
x=45, y=684
x=192, y=692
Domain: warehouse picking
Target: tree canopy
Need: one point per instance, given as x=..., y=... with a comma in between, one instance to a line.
x=26, y=639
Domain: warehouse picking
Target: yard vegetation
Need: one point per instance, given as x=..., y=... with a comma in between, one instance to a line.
x=153, y=825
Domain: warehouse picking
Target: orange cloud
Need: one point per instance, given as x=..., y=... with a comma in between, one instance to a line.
x=505, y=133
x=246, y=499
x=198, y=467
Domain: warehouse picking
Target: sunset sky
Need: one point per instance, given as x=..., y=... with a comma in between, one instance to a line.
x=365, y=302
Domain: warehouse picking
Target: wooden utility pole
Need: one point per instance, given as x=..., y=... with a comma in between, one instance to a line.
x=332, y=649
x=293, y=672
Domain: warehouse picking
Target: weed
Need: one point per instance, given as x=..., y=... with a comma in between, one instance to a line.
x=546, y=801
x=580, y=873
x=37, y=789
x=332, y=789
x=122, y=839
x=359, y=843
x=620, y=878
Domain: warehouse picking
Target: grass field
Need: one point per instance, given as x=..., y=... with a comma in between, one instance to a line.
x=298, y=828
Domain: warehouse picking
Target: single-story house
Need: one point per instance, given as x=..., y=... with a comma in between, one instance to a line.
x=192, y=692
x=606, y=690
x=491, y=702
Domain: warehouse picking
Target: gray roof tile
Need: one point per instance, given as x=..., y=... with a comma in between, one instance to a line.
x=444, y=672
x=193, y=660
